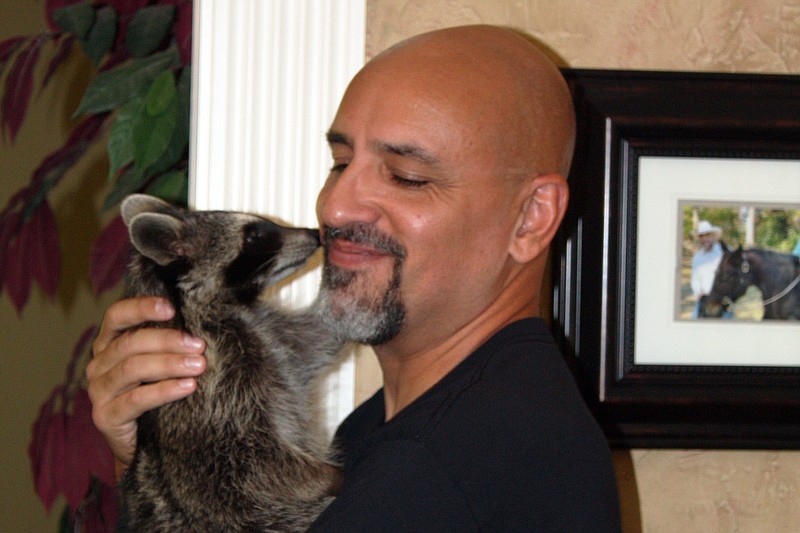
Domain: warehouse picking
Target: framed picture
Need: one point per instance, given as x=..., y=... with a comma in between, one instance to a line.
x=676, y=284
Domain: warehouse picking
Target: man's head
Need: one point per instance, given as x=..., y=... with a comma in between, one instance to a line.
x=447, y=183
x=707, y=234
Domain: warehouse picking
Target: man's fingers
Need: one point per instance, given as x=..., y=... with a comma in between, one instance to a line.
x=131, y=404
x=127, y=313
x=119, y=380
x=117, y=418
x=134, y=386
x=140, y=342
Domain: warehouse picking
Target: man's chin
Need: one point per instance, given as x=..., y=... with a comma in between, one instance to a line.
x=355, y=311
x=335, y=278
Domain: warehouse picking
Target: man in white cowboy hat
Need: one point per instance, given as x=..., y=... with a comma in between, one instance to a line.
x=705, y=261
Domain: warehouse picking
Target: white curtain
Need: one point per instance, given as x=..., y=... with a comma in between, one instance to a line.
x=267, y=78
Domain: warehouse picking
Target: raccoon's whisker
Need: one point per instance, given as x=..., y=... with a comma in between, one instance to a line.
x=284, y=271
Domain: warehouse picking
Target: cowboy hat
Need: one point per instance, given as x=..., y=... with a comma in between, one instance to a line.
x=705, y=227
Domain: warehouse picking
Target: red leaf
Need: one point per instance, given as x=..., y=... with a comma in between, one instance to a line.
x=17, y=274
x=87, y=443
x=52, y=469
x=7, y=49
x=36, y=447
x=67, y=451
x=18, y=87
x=126, y=8
x=56, y=164
x=88, y=129
x=183, y=32
x=47, y=451
x=9, y=228
x=75, y=479
x=86, y=452
x=39, y=239
x=100, y=514
x=9, y=46
x=64, y=48
x=110, y=254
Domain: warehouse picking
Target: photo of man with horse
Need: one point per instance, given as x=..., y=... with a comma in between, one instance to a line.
x=755, y=276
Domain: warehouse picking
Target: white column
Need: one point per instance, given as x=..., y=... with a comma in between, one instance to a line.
x=267, y=79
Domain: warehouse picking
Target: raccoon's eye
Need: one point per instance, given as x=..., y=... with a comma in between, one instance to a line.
x=260, y=238
x=253, y=235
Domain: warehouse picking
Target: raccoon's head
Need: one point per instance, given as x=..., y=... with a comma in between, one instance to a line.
x=216, y=256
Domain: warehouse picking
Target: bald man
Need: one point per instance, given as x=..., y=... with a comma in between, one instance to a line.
x=450, y=152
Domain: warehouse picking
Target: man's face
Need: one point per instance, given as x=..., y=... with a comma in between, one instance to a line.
x=415, y=218
x=707, y=240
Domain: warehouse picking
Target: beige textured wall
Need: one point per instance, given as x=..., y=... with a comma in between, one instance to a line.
x=719, y=35
x=35, y=347
x=663, y=491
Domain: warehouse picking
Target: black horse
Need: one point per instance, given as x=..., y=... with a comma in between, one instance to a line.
x=776, y=275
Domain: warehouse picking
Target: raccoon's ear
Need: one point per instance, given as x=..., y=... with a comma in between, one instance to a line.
x=157, y=236
x=136, y=204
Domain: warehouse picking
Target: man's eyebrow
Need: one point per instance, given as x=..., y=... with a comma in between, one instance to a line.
x=404, y=150
x=408, y=150
x=335, y=137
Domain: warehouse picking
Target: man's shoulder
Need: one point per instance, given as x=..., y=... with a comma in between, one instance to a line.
x=525, y=394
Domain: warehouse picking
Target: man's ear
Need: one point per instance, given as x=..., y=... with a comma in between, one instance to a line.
x=544, y=204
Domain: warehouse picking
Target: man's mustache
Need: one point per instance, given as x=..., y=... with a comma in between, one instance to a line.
x=364, y=235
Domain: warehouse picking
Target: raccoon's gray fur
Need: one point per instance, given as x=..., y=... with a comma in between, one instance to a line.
x=244, y=452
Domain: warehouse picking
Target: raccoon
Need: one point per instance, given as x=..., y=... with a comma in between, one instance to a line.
x=245, y=452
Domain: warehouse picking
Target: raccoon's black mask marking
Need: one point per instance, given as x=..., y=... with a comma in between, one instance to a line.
x=261, y=242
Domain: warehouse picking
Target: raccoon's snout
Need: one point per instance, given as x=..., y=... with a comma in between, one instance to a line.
x=298, y=245
x=299, y=241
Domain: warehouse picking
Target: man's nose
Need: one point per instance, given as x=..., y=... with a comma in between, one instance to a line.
x=348, y=197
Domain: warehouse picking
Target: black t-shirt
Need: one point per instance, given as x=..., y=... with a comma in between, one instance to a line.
x=504, y=442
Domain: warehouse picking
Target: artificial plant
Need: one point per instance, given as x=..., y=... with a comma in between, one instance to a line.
x=138, y=103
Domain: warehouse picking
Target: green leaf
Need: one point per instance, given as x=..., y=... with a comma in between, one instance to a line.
x=162, y=94
x=152, y=133
x=114, y=88
x=180, y=138
x=100, y=38
x=120, y=140
x=151, y=136
x=148, y=29
x=172, y=187
x=76, y=19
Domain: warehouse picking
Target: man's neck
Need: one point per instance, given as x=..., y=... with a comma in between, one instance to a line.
x=409, y=371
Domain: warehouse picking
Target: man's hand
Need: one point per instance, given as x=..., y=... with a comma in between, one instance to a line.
x=134, y=371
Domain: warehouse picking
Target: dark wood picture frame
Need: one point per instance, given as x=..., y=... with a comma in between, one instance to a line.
x=622, y=116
